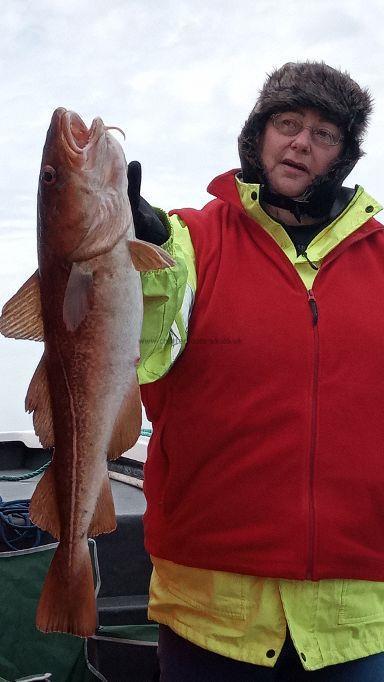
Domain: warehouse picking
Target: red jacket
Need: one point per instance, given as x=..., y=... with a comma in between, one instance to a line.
x=267, y=456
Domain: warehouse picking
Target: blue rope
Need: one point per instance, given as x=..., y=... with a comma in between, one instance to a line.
x=15, y=525
x=32, y=474
x=146, y=432
x=25, y=477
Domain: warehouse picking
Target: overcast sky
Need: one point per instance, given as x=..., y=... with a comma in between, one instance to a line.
x=180, y=77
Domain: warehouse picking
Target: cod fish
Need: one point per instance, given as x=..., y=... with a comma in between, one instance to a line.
x=85, y=302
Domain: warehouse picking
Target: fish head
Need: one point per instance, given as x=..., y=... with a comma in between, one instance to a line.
x=83, y=206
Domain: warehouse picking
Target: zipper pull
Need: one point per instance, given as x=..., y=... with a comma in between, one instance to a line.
x=304, y=254
x=313, y=304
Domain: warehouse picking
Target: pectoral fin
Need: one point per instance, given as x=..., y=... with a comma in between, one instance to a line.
x=21, y=317
x=78, y=297
x=147, y=256
x=127, y=427
x=38, y=401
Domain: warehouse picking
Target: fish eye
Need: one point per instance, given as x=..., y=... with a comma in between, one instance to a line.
x=48, y=175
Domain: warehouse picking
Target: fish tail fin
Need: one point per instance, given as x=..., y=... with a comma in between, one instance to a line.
x=67, y=602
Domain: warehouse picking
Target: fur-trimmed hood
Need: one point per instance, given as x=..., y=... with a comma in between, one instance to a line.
x=315, y=85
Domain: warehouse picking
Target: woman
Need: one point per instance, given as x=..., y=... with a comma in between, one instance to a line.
x=261, y=372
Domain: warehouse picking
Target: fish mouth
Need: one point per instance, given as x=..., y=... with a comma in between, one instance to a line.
x=78, y=137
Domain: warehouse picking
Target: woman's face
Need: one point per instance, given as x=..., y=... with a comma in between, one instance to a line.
x=292, y=163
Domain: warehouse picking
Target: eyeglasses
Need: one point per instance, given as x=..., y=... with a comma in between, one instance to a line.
x=289, y=126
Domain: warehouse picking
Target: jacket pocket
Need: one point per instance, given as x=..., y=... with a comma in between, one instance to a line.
x=361, y=601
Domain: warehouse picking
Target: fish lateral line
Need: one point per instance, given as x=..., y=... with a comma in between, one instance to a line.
x=74, y=437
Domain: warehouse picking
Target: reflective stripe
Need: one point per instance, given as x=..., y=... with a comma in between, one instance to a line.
x=176, y=344
x=177, y=333
x=186, y=308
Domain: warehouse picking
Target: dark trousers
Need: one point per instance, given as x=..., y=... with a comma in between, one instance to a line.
x=181, y=661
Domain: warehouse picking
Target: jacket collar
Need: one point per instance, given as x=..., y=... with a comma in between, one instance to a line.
x=224, y=187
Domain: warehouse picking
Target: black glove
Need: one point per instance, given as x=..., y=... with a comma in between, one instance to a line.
x=148, y=225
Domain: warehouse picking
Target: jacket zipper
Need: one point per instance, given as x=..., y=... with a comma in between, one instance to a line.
x=311, y=502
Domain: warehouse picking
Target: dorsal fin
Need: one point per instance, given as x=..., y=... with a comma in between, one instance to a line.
x=21, y=317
